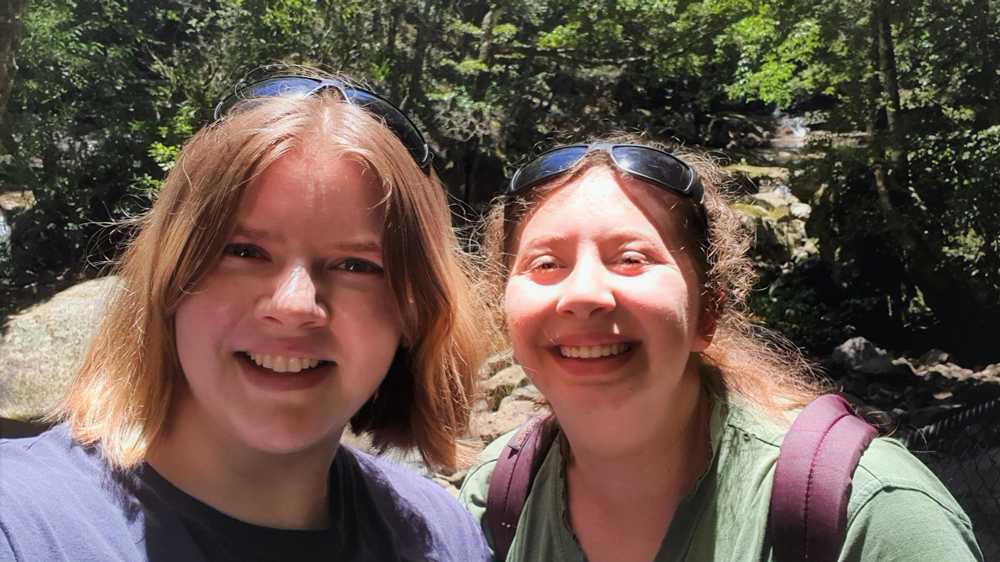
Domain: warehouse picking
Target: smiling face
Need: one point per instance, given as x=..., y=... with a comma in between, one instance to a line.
x=602, y=302
x=295, y=326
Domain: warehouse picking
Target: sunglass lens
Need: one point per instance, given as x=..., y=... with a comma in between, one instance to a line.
x=547, y=166
x=398, y=123
x=655, y=166
x=280, y=87
x=273, y=87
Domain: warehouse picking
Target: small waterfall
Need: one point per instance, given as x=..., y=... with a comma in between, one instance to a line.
x=795, y=125
x=792, y=131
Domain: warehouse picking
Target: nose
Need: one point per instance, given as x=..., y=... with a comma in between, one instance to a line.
x=293, y=303
x=586, y=291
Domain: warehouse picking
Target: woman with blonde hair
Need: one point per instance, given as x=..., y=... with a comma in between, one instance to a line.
x=296, y=274
x=623, y=277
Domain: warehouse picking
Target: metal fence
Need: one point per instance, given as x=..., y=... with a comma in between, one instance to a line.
x=963, y=449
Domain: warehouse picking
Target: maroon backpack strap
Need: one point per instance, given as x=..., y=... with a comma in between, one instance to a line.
x=812, y=481
x=511, y=480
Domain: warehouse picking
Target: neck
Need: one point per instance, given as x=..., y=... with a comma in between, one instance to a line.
x=622, y=497
x=289, y=491
x=663, y=458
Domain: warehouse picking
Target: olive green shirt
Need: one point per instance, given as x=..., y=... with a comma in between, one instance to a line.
x=898, y=510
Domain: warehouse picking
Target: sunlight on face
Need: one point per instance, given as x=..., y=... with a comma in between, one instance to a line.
x=296, y=325
x=602, y=296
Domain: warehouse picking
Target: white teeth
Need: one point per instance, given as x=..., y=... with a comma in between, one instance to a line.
x=595, y=350
x=280, y=364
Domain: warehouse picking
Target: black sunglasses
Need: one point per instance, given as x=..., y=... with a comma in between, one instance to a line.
x=652, y=165
x=292, y=85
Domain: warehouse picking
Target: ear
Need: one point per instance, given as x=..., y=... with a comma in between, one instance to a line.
x=713, y=303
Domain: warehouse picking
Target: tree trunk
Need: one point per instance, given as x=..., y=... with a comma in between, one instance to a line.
x=987, y=42
x=898, y=184
x=872, y=113
x=394, y=84
x=914, y=230
x=486, y=51
x=10, y=27
x=414, y=90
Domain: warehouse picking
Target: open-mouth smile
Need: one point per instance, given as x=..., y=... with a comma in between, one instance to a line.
x=284, y=364
x=595, y=351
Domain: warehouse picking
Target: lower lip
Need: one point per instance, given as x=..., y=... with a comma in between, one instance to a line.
x=594, y=365
x=269, y=380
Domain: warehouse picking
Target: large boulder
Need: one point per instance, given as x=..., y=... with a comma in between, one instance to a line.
x=43, y=345
x=779, y=221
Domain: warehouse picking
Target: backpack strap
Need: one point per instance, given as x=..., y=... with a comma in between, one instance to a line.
x=512, y=477
x=812, y=481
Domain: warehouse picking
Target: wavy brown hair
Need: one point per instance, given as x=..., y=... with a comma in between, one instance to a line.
x=744, y=357
x=122, y=392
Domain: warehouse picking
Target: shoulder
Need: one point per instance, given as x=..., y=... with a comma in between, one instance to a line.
x=887, y=464
x=59, y=498
x=409, y=500
x=899, y=507
x=43, y=467
x=477, y=481
x=478, y=478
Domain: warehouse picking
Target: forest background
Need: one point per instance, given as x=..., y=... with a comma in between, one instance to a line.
x=97, y=96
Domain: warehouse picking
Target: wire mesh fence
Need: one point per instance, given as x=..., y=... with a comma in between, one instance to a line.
x=963, y=449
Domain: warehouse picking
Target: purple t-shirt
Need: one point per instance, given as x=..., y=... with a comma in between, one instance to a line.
x=59, y=501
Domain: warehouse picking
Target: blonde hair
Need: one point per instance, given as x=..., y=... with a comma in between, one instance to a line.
x=122, y=392
x=744, y=357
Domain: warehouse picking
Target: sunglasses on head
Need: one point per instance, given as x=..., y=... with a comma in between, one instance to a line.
x=291, y=85
x=649, y=164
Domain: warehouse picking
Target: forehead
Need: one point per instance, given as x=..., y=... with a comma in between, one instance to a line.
x=303, y=189
x=600, y=199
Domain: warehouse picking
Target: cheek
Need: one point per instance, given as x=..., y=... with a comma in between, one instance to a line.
x=365, y=316
x=521, y=306
x=195, y=326
x=204, y=319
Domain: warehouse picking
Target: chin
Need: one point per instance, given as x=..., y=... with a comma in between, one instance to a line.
x=288, y=440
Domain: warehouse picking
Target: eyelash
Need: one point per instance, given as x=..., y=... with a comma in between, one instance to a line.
x=246, y=251
x=358, y=265
x=633, y=259
x=543, y=263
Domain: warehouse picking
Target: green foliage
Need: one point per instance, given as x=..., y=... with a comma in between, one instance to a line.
x=776, y=75
x=76, y=120
x=802, y=304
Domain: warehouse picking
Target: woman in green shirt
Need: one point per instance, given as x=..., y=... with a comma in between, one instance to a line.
x=623, y=277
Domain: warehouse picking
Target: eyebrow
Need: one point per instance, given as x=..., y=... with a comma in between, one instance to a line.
x=257, y=235
x=350, y=246
x=359, y=247
x=617, y=236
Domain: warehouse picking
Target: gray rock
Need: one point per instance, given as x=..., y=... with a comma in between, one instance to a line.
x=43, y=346
x=511, y=414
x=934, y=357
x=529, y=392
x=855, y=352
x=860, y=355
x=779, y=221
x=774, y=201
x=503, y=383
